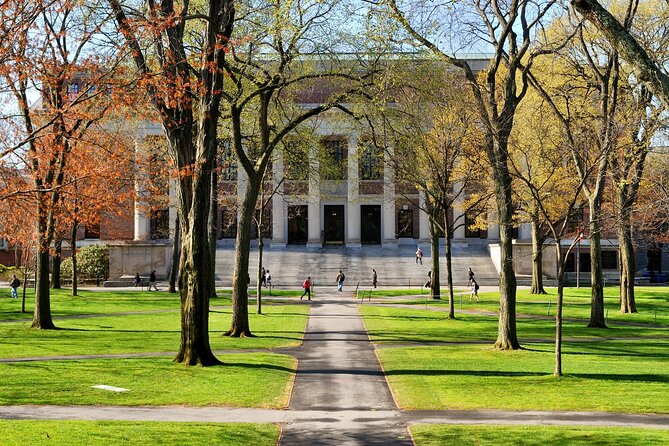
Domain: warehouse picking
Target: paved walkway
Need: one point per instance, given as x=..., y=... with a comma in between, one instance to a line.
x=338, y=372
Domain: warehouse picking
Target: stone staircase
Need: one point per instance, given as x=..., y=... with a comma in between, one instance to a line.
x=395, y=266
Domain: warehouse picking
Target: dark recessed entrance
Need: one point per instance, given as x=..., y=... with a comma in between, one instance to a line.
x=298, y=225
x=370, y=224
x=333, y=233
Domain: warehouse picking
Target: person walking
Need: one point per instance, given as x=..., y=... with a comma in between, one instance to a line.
x=152, y=280
x=137, y=281
x=373, y=277
x=15, y=284
x=307, y=288
x=262, y=276
x=428, y=284
x=474, y=290
x=419, y=256
x=470, y=274
x=340, y=281
x=268, y=279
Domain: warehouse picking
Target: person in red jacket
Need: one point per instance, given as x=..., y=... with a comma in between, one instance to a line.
x=307, y=288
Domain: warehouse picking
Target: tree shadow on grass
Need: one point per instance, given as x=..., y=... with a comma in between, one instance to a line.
x=472, y=373
x=259, y=366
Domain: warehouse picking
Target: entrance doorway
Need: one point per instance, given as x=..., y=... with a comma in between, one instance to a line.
x=298, y=224
x=370, y=224
x=333, y=233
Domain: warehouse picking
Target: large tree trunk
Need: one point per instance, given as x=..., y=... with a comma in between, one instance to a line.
x=73, y=249
x=42, y=316
x=627, y=263
x=212, y=226
x=57, y=257
x=645, y=68
x=537, y=257
x=435, y=285
x=506, y=330
x=596, y=275
x=176, y=254
x=240, y=296
x=195, y=276
x=449, y=266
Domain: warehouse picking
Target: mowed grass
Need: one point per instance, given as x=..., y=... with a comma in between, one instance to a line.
x=244, y=380
x=479, y=377
x=601, y=373
x=438, y=435
x=104, y=433
x=278, y=326
x=401, y=325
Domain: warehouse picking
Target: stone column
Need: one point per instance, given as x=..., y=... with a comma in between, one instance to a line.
x=142, y=221
x=278, y=205
x=314, y=200
x=388, y=235
x=352, y=235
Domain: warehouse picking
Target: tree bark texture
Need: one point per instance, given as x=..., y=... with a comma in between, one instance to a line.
x=596, y=276
x=212, y=226
x=73, y=248
x=240, y=296
x=57, y=257
x=42, y=316
x=507, y=338
x=176, y=255
x=624, y=43
x=261, y=248
x=449, y=265
x=627, y=263
x=537, y=257
x=435, y=286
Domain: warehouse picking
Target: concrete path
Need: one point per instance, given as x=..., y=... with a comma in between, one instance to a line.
x=338, y=372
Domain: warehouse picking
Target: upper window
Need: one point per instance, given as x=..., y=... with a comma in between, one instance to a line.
x=371, y=161
x=334, y=163
x=227, y=160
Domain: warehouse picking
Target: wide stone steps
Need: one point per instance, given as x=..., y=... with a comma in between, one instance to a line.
x=395, y=266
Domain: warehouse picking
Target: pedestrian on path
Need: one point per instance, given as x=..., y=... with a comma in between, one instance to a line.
x=268, y=279
x=428, y=284
x=419, y=256
x=262, y=276
x=152, y=280
x=307, y=288
x=474, y=290
x=137, y=281
x=470, y=274
x=373, y=277
x=15, y=284
x=340, y=281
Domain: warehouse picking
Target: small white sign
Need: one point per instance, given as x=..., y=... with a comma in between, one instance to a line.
x=110, y=388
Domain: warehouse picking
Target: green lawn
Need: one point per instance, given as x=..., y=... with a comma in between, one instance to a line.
x=627, y=375
x=401, y=325
x=617, y=378
x=243, y=381
x=104, y=433
x=438, y=435
x=278, y=326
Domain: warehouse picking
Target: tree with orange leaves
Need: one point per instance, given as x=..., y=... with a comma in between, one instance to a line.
x=54, y=52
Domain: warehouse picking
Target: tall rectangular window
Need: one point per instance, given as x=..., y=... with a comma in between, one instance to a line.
x=371, y=161
x=334, y=162
x=227, y=161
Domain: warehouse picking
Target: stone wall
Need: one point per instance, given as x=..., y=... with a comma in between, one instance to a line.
x=126, y=259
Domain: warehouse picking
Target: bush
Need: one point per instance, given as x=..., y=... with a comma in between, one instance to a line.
x=92, y=262
x=6, y=272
